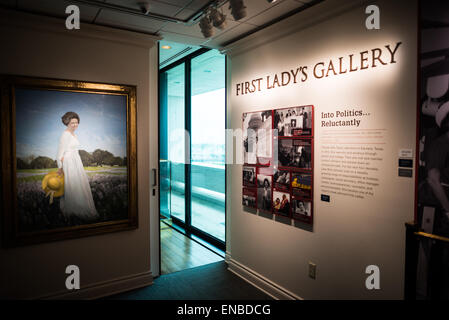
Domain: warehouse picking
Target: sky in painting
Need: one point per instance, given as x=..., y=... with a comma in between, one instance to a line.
x=39, y=126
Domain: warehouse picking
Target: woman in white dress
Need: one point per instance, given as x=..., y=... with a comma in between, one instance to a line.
x=77, y=200
x=300, y=123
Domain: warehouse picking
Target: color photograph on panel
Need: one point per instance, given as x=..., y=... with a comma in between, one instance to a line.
x=281, y=203
x=302, y=185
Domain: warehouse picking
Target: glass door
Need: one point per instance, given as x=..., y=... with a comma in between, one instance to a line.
x=192, y=145
x=208, y=121
x=172, y=143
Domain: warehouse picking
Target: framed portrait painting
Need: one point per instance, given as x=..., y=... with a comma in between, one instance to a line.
x=68, y=159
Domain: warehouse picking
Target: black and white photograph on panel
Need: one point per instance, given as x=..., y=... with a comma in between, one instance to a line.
x=433, y=171
x=301, y=209
x=258, y=137
x=281, y=179
x=281, y=203
x=302, y=184
x=249, y=176
x=264, y=188
x=294, y=122
x=249, y=197
x=295, y=153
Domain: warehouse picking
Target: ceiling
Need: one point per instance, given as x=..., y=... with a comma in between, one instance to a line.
x=176, y=21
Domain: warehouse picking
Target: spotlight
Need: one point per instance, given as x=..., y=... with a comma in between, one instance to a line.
x=271, y=1
x=238, y=9
x=144, y=6
x=206, y=27
x=218, y=18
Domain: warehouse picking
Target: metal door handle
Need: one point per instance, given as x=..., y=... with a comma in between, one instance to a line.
x=154, y=177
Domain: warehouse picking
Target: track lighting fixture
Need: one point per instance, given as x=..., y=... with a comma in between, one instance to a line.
x=238, y=9
x=144, y=6
x=218, y=19
x=212, y=16
x=206, y=26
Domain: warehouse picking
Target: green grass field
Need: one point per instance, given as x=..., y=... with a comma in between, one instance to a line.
x=102, y=168
x=36, y=170
x=31, y=178
x=39, y=174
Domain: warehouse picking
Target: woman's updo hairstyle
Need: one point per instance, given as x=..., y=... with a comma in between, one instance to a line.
x=69, y=116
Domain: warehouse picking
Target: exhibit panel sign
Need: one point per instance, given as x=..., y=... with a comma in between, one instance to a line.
x=354, y=130
x=358, y=185
x=353, y=147
x=348, y=203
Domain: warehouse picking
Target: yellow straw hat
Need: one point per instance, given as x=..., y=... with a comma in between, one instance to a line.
x=53, y=185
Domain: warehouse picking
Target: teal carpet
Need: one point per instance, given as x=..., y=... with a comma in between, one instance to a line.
x=208, y=282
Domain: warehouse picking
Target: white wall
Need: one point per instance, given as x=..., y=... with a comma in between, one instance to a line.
x=348, y=234
x=42, y=47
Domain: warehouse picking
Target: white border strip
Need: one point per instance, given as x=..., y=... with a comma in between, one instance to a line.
x=274, y=290
x=104, y=289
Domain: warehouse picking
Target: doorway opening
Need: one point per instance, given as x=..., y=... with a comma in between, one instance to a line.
x=192, y=170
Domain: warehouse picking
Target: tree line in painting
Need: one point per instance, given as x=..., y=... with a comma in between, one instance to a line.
x=97, y=158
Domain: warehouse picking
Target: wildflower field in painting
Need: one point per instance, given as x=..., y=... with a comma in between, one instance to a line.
x=109, y=185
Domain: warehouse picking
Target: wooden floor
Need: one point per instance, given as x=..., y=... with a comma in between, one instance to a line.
x=178, y=252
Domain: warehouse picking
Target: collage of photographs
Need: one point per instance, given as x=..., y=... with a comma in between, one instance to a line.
x=278, y=156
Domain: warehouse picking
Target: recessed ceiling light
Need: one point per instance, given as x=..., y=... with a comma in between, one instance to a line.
x=166, y=47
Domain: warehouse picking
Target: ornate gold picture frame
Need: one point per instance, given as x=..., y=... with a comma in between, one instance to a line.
x=61, y=181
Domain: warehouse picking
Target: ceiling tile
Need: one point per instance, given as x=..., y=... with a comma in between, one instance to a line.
x=8, y=3
x=194, y=30
x=178, y=3
x=57, y=8
x=228, y=35
x=181, y=38
x=198, y=4
x=185, y=14
x=176, y=51
x=179, y=28
x=259, y=12
x=253, y=8
x=274, y=12
x=157, y=7
x=132, y=22
x=132, y=4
